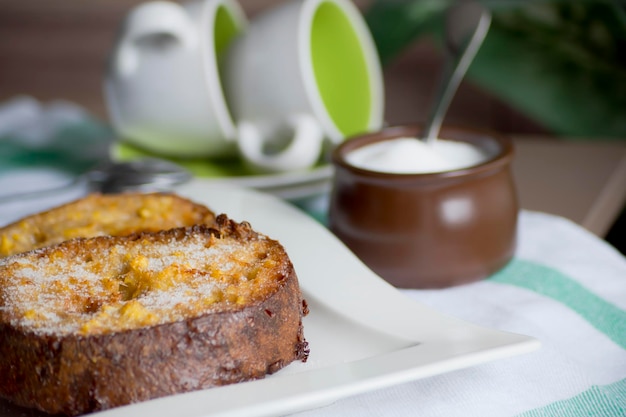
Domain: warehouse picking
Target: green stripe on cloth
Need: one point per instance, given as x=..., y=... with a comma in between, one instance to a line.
x=541, y=279
x=599, y=400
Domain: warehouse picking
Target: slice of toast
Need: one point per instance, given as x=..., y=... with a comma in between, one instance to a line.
x=102, y=214
x=91, y=324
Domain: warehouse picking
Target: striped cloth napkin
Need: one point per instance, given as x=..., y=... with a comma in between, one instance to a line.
x=565, y=287
x=45, y=147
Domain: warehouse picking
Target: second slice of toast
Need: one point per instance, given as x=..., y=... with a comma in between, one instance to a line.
x=102, y=214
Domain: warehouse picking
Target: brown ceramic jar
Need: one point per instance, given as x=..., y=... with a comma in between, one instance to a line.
x=428, y=230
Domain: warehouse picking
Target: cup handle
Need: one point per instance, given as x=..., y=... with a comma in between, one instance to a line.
x=155, y=22
x=302, y=150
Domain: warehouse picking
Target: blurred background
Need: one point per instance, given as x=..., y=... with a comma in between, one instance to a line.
x=548, y=68
x=58, y=48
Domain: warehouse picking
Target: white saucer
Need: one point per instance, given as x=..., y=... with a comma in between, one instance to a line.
x=289, y=185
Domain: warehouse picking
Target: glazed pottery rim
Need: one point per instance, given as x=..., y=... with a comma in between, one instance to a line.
x=502, y=157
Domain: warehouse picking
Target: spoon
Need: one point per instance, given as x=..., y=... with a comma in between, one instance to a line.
x=466, y=25
x=144, y=174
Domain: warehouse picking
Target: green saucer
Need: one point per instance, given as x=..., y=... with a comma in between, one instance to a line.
x=229, y=170
x=199, y=167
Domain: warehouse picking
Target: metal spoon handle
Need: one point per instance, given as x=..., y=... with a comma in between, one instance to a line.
x=145, y=174
x=466, y=26
x=142, y=175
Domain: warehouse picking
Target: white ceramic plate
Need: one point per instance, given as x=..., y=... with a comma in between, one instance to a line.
x=269, y=181
x=363, y=333
x=289, y=186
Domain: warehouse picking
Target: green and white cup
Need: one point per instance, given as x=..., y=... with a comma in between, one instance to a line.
x=303, y=74
x=163, y=87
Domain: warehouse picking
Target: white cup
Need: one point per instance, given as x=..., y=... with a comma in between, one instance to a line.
x=303, y=74
x=163, y=85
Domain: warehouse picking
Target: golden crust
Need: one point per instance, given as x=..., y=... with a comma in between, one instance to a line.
x=102, y=214
x=236, y=315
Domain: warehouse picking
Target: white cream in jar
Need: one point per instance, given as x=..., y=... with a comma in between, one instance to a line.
x=407, y=155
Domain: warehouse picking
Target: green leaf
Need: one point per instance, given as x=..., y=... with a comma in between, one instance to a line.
x=561, y=63
x=397, y=23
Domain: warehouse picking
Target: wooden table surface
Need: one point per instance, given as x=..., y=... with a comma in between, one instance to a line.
x=584, y=181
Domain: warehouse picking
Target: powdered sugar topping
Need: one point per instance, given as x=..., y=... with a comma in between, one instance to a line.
x=129, y=284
